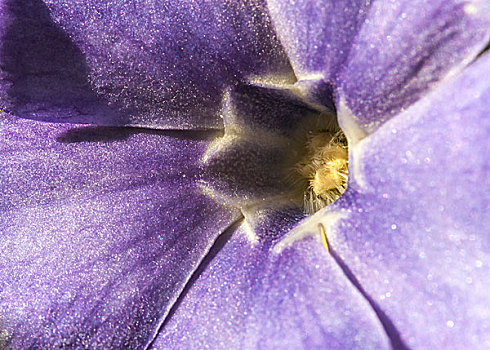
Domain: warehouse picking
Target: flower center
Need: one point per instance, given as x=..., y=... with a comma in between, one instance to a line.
x=325, y=168
x=278, y=153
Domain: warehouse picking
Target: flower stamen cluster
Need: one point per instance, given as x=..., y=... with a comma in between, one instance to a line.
x=325, y=166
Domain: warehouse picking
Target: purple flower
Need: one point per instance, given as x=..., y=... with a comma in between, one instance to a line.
x=153, y=229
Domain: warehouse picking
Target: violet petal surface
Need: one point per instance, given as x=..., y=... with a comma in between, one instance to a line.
x=250, y=297
x=160, y=64
x=404, y=49
x=317, y=35
x=415, y=226
x=378, y=57
x=101, y=228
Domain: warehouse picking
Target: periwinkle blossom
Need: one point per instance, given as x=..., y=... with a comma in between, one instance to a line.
x=171, y=221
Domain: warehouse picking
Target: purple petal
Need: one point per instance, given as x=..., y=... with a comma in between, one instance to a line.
x=245, y=171
x=416, y=231
x=405, y=47
x=163, y=64
x=266, y=113
x=279, y=216
x=378, y=56
x=317, y=35
x=251, y=297
x=101, y=228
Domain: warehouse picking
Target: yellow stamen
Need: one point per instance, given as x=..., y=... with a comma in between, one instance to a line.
x=324, y=237
x=325, y=167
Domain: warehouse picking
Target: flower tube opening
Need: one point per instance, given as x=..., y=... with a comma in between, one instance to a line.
x=278, y=150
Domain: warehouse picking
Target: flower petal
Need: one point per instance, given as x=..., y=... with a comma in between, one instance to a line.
x=242, y=171
x=380, y=56
x=101, y=228
x=265, y=136
x=251, y=297
x=160, y=64
x=317, y=35
x=272, y=221
x=405, y=47
x=268, y=113
x=416, y=235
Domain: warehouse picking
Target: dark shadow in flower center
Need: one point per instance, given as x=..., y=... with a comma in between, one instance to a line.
x=281, y=157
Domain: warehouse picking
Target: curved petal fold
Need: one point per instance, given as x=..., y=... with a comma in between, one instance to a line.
x=317, y=35
x=161, y=64
x=242, y=171
x=416, y=231
x=272, y=221
x=406, y=47
x=250, y=297
x=94, y=247
x=267, y=113
x=378, y=57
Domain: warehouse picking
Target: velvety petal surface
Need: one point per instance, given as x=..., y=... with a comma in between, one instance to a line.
x=161, y=64
x=267, y=114
x=416, y=216
x=245, y=171
x=378, y=57
x=271, y=222
x=250, y=297
x=266, y=129
x=100, y=230
x=403, y=49
x=317, y=35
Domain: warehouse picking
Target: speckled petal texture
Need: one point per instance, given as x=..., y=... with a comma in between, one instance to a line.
x=416, y=232
x=249, y=297
x=161, y=64
x=267, y=113
x=265, y=128
x=112, y=238
x=317, y=34
x=271, y=222
x=246, y=171
x=381, y=56
x=101, y=228
x=404, y=48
